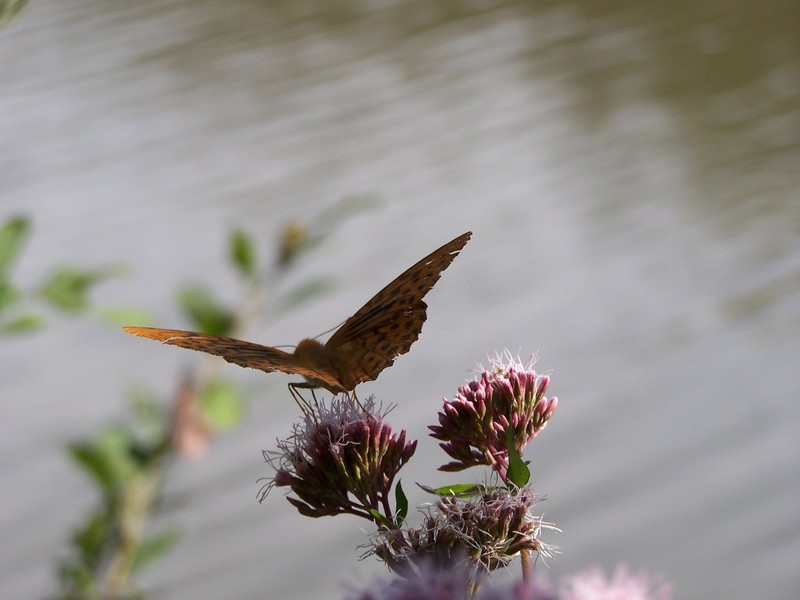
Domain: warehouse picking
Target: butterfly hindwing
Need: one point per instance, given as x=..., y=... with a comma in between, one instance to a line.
x=376, y=349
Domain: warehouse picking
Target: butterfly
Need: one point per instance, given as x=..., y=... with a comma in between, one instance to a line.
x=366, y=344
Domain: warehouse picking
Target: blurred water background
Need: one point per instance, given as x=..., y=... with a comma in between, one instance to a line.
x=631, y=172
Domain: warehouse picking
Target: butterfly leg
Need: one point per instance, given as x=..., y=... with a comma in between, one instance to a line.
x=314, y=398
x=354, y=397
x=305, y=406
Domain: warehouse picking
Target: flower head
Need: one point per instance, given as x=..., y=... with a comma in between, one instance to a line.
x=191, y=435
x=506, y=400
x=340, y=460
x=489, y=530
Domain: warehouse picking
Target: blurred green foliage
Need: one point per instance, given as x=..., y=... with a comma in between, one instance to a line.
x=66, y=289
x=221, y=405
x=127, y=462
x=242, y=253
x=9, y=9
x=13, y=235
x=204, y=311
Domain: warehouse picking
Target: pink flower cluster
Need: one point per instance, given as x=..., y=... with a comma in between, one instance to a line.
x=505, y=403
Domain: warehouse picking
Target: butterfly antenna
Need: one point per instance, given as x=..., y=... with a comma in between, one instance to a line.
x=334, y=328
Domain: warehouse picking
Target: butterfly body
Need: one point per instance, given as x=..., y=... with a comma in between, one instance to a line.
x=366, y=344
x=323, y=363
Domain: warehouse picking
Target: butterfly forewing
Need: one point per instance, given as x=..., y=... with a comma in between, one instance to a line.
x=387, y=325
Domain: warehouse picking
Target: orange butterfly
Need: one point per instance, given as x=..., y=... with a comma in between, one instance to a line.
x=367, y=343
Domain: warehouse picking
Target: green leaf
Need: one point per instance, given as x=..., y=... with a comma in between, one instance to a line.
x=242, y=254
x=125, y=316
x=8, y=294
x=203, y=310
x=91, y=538
x=79, y=579
x=23, y=324
x=460, y=490
x=381, y=519
x=518, y=472
x=94, y=462
x=13, y=234
x=68, y=288
x=154, y=547
x=305, y=292
x=221, y=405
x=348, y=207
x=108, y=458
x=146, y=409
x=401, y=502
x=9, y=9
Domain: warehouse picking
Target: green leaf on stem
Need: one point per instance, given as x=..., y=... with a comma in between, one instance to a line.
x=68, y=288
x=23, y=324
x=125, y=316
x=381, y=519
x=8, y=294
x=203, y=310
x=242, y=254
x=154, y=547
x=401, y=503
x=92, y=537
x=459, y=490
x=221, y=405
x=147, y=410
x=305, y=292
x=94, y=462
x=9, y=9
x=518, y=472
x=13, y=234
x=108, y=458
x=78, y=579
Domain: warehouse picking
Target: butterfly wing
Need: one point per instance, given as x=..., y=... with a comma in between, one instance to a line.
x=239, y=352
x=387, y=325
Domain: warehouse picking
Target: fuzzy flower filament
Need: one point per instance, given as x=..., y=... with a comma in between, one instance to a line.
x=489, y=530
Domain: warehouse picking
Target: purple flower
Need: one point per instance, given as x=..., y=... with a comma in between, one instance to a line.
x=424, y=581
x=593, y=585
x=427, y=581
x=340, y=460
x=508, y=398
x=518, y=591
